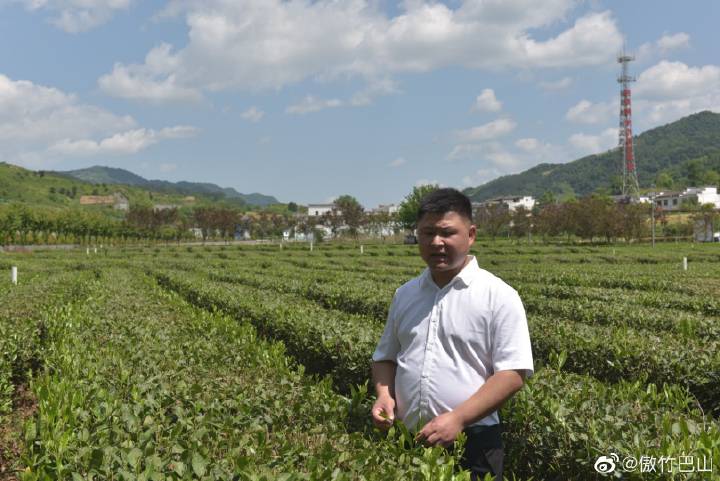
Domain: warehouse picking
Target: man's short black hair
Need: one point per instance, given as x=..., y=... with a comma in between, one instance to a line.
x=446, y=200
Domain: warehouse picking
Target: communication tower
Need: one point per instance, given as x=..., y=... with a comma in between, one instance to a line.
x=630, y=185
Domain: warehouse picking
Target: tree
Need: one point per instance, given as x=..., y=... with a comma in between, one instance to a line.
x=492, y=219
x=706, y=218
x=547, y=198
x=695, y=172
x=633, y=220
x=521, y=222
x=203, y=217
x=663, y=180
x=595, y=216
x=407, y=213
x=712, y=178
x=332, y=219
x=548, y=220
x=225, y=220
x=379, y=223
x=350, y=211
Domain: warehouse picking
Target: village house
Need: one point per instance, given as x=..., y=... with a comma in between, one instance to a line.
x=386, y=208
x=160, y=207
x=511, y=202
x=673, y=201
x=117, y=200
x=318, y=210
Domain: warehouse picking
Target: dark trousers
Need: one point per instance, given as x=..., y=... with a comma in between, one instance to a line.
x=484, y=452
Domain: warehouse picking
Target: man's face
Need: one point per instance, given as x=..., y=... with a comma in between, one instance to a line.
x=445, y=240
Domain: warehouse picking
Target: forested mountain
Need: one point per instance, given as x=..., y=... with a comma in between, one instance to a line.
x=682, y=153
x=60, y=190
x=109, y=175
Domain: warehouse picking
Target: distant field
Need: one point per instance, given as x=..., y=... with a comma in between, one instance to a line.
x=251, y=362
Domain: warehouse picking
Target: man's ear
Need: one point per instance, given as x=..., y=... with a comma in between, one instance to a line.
x=472, y=232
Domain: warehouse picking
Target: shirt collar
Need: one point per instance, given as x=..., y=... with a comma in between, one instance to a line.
x=465, y=276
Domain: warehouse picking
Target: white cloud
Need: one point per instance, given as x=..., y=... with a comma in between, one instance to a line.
x=527, y=145
x=482, y=176
x=672, y=42
x=663, y=93
x=560, y=84
x=580, y=38
x=35, y=113
x=375, y=88
x=155, y=81
x=586, y=112
x=311, y=104
x=268, y=44
x=586, y=144
x=124, y=143
x=502, y=158
x=497, y=159
x=398, y=162
x=488, y=131
x=40, y=125
x=675, y=80
x=487, y=102
x=662, y=46
x=75, y=16
x=464, y=151
x=488, y=152
x=253, y=114
x=669, y=90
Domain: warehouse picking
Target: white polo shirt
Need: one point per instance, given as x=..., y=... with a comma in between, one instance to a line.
x=447, y=342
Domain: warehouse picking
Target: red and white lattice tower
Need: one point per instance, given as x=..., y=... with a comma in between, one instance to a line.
x=630, y=186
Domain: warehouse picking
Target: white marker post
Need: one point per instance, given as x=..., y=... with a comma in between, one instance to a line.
x=684, y=263
x=95, y=250
x=13, y=274
x=311, y=246
x=362, y=249
x=87, y=251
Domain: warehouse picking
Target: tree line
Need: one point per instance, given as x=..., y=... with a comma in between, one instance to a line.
x=592, y=218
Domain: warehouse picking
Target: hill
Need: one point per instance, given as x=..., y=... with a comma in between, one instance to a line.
x=685, y=150
x=109, y=175
x=55, y=190
x=49, y=189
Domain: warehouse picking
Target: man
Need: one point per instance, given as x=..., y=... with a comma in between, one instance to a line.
x=456, y=344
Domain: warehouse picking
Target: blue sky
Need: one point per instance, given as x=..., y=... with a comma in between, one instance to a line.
x=307, y=100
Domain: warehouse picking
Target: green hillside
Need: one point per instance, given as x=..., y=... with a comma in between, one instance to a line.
x=109, y=175
x=53, y=190
x=685, y=152
x=105, y=175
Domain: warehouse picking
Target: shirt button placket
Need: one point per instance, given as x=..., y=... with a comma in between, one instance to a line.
x=432, y=335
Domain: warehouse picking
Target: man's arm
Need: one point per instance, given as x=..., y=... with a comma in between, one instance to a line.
x=497, y=389
x=383, y=411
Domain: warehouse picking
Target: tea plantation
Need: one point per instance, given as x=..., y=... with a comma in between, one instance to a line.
x=252, y=363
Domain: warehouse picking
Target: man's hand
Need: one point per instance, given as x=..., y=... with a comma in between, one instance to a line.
x=442, y=431
x=383, y=412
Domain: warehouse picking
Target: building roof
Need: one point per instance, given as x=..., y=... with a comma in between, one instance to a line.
x=669, y=194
